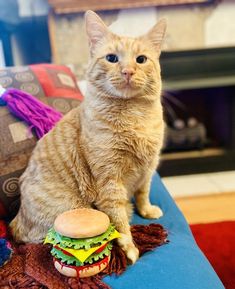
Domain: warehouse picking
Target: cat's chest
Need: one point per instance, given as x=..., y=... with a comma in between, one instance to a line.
x=135, y=154
x=125, y=144
x=139, y=145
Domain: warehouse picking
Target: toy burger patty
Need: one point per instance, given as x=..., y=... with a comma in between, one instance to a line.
x=81, y=242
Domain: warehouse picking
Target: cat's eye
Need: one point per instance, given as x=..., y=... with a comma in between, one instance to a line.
x=141, y=59
x=113, y=58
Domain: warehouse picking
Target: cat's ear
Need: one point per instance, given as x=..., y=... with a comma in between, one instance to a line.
x=157, y=33
x=95, y=28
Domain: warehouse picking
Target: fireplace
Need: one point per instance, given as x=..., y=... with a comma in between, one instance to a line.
x=203, y=82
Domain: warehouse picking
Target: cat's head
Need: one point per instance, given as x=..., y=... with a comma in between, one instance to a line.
x=124, y=67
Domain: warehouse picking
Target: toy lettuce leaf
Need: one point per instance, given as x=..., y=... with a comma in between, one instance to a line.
x=86, y=243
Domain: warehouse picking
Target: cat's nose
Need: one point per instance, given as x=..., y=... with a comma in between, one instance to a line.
x=128, y=73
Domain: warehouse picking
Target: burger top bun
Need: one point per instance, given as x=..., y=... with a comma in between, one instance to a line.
x=81, y=223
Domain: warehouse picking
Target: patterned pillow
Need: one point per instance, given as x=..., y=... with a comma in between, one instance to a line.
x=54, y=85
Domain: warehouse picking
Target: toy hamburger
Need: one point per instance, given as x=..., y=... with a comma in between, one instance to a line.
x=81, y=242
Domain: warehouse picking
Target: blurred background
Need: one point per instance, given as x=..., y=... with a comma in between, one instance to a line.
x=198, y=70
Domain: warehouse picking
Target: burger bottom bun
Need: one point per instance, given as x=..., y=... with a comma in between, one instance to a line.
x=83, y=271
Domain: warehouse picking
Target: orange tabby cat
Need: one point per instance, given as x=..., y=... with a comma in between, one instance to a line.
x=104, y=152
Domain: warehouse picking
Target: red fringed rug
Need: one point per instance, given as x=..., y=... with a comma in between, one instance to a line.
x=217, y=241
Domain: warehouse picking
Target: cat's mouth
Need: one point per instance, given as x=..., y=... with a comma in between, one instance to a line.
x=123, y=83
x=126, y=88
x=129, y=84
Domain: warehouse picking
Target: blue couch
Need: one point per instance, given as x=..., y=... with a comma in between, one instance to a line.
x=177, y=265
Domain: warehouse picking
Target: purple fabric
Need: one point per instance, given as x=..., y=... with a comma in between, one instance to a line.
x=40, y=117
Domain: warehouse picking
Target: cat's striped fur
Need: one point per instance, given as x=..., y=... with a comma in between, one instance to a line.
x=105, y=151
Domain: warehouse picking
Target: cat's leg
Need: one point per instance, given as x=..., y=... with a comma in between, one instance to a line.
x=143, y=205
x=115, y=204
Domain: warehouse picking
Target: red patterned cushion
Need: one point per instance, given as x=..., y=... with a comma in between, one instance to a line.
x=57, y=81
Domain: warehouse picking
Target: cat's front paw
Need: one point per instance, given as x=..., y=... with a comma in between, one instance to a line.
x=127, y=245
x=151, y=212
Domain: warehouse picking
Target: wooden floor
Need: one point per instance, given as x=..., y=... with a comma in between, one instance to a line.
x=205, y=209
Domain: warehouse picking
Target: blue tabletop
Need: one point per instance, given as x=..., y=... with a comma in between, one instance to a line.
x=177, y=265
